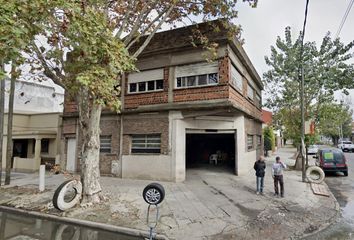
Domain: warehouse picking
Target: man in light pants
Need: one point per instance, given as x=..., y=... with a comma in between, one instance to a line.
x=277, y=174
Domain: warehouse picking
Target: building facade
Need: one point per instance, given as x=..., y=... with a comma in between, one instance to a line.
x=178, y=111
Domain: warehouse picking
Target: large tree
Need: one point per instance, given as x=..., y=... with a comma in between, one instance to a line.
x=86, y=47
x=335, y=121
x=326, y=70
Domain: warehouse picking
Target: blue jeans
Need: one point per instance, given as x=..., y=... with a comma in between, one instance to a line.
x=260, y=184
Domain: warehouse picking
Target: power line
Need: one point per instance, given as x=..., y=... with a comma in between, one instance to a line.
x=344, y=17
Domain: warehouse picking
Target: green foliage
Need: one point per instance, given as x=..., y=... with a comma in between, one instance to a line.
x=333, y=119
x=326, y=69
x=269, y=138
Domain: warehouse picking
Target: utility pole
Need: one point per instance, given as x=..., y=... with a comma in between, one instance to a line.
x=2, y=115
x=302, y=89
x=9, y=151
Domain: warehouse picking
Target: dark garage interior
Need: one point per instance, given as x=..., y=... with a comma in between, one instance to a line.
x=199, y=148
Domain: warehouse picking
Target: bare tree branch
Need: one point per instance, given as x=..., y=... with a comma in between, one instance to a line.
x=53, y=74
x=148, y=39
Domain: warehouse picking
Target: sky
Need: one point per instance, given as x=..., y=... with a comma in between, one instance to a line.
x=263, y=24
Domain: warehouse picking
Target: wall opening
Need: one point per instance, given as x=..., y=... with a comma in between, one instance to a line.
x=211, y=151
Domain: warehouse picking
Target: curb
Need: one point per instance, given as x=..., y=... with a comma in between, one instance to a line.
x=84, y=223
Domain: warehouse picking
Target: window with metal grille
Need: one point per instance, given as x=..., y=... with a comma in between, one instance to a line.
x=105, y=144
x=146, y=143
x=198, y=80
x=249, y=141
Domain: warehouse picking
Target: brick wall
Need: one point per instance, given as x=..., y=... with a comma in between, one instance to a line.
x=140, y=124
x=134, y=100
x=110, y=127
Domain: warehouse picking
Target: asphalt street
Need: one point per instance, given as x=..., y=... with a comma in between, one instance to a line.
x=343, y=189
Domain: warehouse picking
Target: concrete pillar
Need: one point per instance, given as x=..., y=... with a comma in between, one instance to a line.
x=37, y=152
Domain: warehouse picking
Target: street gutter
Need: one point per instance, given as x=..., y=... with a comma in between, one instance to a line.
x=84, y=223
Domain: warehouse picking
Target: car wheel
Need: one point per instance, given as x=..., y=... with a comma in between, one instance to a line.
x=315, y=174
x=345, y=173
x=67, y=195
x=154, y=193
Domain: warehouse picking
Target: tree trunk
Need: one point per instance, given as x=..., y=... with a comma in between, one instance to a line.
x=89, y=117
x=9, y=151
x=298, y=162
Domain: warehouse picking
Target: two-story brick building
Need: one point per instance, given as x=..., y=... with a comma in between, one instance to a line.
x=178, y=111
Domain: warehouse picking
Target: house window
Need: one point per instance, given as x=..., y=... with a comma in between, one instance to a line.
x=236, y=78
x=45, y=145
x=146, y=86
x=146, y=143
x=198, y=80
x=258, y=100
x=259, y=141
x=250, y=92
x=105, y=144
x=249, y=141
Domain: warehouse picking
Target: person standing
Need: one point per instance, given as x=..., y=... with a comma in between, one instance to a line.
x=260, y=166
x=277, y=174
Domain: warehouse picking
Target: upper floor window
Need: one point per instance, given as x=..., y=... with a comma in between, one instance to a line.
x=250, y=92
x=236, y=78
x=146, y=81
x=258, y=100
x=199, y=74
x=198, y=80
x=146, y=86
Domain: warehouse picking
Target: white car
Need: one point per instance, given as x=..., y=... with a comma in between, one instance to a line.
x=346, y=146
x=312, y=150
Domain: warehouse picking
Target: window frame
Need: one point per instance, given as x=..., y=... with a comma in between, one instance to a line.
x=249, y=93
x=249, y=147
x=233, y=77
x=184, y=81
x=103, y=149
x=144, y=142
x=146, y=86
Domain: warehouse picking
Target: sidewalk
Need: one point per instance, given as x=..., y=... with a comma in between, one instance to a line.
x=208, y=205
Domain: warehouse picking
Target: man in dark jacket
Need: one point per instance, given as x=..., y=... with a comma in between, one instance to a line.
x=260, y=166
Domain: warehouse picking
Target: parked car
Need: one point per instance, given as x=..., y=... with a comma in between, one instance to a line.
x=346, y=146
x=312, y=150
x=332, y=160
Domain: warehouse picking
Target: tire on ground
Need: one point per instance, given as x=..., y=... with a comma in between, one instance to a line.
x=154, y=193
x=315, y=169
x=59, y=194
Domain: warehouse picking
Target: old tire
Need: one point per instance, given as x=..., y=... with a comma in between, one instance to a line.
x=154, y=193
x=58, y=199
x=320, y=173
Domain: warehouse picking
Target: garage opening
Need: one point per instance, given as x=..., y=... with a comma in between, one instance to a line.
x=210, y=150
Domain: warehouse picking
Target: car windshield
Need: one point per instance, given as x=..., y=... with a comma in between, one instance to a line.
x=332, y=156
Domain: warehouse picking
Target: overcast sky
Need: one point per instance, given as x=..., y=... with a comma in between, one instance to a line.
x=263, y=24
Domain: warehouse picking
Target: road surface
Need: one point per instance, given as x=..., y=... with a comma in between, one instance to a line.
x=343, y=189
